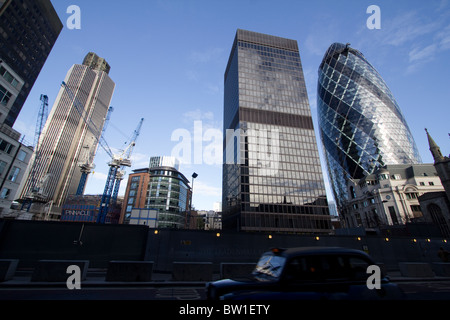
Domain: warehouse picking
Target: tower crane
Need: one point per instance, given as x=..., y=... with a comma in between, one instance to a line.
x=42, y=117
x=86, y=166
x=127, y=155
x=115, y=175
x=117, y=162
x=37, y=187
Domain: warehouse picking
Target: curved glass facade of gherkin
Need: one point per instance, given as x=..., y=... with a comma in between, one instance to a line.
x=361, y=125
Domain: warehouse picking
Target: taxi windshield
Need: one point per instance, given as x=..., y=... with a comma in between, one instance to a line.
x=269, y=267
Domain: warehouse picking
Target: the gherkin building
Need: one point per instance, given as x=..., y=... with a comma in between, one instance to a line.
x=361, y=125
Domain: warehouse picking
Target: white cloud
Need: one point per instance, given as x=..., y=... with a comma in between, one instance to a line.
x=203, y=189
x=421, y=54
x=406, y=27
x=139, y=160
x=443, y=37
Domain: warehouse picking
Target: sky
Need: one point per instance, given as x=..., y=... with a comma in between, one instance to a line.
x=168, y=60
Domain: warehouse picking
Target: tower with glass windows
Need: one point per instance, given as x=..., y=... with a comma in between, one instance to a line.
x=72, y=131
x=160, y=188
x=361, y=125
x=272, y=177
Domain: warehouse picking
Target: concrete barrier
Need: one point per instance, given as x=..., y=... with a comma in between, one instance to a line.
x=416, y=269
x=235, y=269
x=129, y=271
x=192, y=271
x=56, y=270
x=8, y=269
x=441, y=269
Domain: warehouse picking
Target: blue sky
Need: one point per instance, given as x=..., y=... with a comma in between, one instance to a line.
x=168, y=59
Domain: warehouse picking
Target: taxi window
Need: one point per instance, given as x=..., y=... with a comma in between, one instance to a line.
x=358, y=268
x=326, y=268
x=269, y=267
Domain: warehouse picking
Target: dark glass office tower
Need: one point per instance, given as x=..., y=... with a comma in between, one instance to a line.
x=28, y=31
x=272, y=178
x=361, y=125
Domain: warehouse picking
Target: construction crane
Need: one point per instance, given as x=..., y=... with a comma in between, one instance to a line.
x=41, y=119
x=86, y=166
x=121, y=172
x=117, y=163
x=37, y=187
x=115, y=175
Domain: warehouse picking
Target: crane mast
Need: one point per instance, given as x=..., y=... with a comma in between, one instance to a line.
x=116, y=165
x=115, y=175
x=86, y=166
x=37, y=187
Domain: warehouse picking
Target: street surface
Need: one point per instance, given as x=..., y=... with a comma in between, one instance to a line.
x=414, y=290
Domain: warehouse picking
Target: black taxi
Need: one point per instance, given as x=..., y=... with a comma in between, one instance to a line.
x=312, y=273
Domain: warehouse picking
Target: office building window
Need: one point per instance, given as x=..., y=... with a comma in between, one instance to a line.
x=8, y=77
x=5, y=95
x=21, y=155
x=5, y=193
x=2, y=166
x=13, y=174
x=6, y=146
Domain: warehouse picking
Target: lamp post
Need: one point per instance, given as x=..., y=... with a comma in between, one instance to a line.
x=194, y=175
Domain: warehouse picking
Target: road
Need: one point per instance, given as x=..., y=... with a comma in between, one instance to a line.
x=104, y=293
x=426, y=290
x=414, y=290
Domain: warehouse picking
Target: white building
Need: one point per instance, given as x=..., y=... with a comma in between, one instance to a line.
x=14, y=156
x=390, y=195
x=212, y=219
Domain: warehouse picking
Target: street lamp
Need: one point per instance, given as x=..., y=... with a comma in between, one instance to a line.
x=194, y=175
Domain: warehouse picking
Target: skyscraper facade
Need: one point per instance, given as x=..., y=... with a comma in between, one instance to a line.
x=361, y=125
x=272, y=178
x=72, y=131
x=28, y=31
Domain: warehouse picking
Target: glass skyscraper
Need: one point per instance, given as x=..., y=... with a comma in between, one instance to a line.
x=28, y=31
x=272, y=178
x=361, y=125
